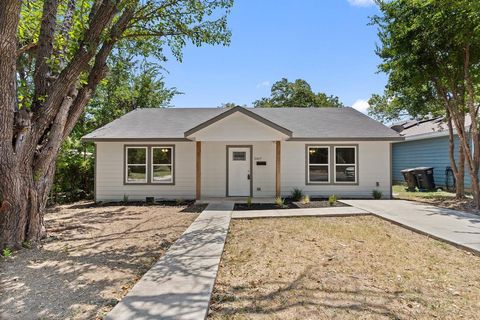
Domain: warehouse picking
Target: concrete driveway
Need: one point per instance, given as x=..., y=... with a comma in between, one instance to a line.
x=457, y=227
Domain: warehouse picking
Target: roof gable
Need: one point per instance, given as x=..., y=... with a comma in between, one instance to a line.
x=237, y=126
x=244, y=111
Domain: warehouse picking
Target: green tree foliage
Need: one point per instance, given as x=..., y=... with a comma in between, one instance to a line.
x=287, y=94
x=430, y=50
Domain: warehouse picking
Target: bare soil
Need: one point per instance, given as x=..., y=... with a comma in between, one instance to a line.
x=342, y=268
x=92, y=256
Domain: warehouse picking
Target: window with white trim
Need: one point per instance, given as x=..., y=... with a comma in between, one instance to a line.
x=318, y=164
x=162, y=165
x=345, y=164
x=136, y=164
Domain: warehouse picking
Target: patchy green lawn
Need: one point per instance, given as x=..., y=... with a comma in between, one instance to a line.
x=342, y=268
x=401, y=192
x=438, y=198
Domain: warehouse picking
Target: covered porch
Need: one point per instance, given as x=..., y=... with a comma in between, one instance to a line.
x=238, y=154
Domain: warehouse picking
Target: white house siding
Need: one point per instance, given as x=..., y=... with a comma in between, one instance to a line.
x=373, y=163
x=373, y=166
x=214, y=167
x=110, y=169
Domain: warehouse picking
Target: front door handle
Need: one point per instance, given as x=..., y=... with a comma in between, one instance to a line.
x=248, y=176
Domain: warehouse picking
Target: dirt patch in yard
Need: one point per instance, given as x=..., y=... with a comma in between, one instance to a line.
x=342, y=268
x=93, y=255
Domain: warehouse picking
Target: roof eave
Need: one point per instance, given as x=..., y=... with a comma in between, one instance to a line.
x=93, y=139
x=346, y=139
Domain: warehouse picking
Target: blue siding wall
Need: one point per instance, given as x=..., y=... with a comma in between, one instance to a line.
x=424, y=153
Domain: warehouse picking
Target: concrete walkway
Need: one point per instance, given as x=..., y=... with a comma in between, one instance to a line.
x=324, y=212
x=179, y=285
x=456, y=227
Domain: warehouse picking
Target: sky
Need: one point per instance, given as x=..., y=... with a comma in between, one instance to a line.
x=326, y=42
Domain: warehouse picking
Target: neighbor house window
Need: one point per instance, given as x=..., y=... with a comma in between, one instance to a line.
x=136, y=164
x=345, y=164
x=318, y=164
x=162, y=164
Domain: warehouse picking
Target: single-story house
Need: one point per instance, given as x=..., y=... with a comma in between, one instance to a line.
x=201, y=153
x=425, y=145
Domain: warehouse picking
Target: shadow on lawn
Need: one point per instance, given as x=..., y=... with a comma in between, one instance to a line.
x=304, y=297
x=82, y=265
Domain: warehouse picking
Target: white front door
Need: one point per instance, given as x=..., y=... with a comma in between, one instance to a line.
x=239, y=174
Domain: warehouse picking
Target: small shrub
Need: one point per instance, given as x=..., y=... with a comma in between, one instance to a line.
x=125, y=198
x=280, y=202
x=180, y=201
x=306, y=199
x=249, y=202
x=376, y=194
x=297, y=194
x=332, y=200
x=7, y=252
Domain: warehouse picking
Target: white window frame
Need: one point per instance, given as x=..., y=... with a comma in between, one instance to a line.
x=136, y=164
x=152, y=165
x=316, y=164
x=355, y=165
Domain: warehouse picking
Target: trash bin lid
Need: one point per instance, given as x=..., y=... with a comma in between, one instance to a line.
x=422, y=168
x=408, y=170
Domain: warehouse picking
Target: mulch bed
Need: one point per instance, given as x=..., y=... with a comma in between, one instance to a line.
x=189, y=205
x=289, y=204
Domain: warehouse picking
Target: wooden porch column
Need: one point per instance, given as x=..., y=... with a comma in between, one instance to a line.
x=198, y=178
x=278, y=152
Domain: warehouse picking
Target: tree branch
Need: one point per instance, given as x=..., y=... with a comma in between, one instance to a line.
x=26, y=48
x=44, y=52
x=97, y=73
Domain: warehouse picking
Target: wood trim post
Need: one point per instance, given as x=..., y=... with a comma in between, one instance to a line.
x=198, y=178
x=278, y=152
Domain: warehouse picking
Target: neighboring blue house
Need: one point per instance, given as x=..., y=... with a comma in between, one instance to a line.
x=425, y=145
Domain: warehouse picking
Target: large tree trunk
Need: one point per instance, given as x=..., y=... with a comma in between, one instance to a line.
x=24, y=199
x=10, y=184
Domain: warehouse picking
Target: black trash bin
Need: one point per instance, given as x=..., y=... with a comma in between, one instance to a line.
x=409, y=176
x=424, y=177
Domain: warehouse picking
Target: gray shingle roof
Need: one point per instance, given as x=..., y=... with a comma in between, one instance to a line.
x=306, y=123
x=426, y=127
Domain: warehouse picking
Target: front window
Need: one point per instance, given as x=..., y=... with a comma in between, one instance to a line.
x=346, y=164
x=136, y=164
x=162, y=164
x=318, y=164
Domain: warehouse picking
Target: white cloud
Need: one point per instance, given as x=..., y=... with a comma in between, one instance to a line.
x=361, y=3
x=361, y=105
x=265, y=83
